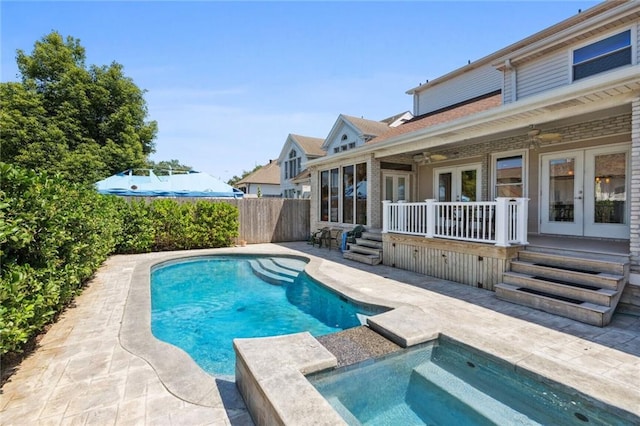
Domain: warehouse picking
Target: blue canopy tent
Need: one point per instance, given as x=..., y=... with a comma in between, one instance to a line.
x=183, y=184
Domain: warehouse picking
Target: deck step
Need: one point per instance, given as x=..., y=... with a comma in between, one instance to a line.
x=568, y=274
x=585, y=312
x=574, y=262
x=357, y=248
x=369, y=243
x=575, y=284
x=596, y=295
x=375, y=236
x=369, y=259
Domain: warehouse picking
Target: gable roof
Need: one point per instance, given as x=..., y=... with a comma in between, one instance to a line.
x=481, y=103
x=267, y=174
x=312, y=147
x=366, y=129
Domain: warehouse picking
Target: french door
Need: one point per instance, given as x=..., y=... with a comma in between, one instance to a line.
x=585, y=192
x=395, y=187
x=460, y=183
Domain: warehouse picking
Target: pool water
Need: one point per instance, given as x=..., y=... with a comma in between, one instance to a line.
x=201, y=305
x=447, y=383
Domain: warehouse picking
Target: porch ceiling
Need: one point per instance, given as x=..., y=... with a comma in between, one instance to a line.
x=572, y=103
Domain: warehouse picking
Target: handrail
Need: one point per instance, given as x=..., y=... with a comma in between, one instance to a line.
x=502, y=222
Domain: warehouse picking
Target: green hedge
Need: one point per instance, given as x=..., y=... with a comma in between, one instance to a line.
x=55, y=235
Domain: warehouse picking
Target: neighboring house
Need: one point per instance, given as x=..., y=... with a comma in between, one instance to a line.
x=264, y=182
x=351, y=132
x=295, y=180
x=539, y=138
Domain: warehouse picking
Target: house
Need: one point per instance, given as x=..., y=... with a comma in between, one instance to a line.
x=295, y=180
x=264, y=182
x=539, y=139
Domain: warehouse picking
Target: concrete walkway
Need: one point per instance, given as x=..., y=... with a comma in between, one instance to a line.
x=81, y=372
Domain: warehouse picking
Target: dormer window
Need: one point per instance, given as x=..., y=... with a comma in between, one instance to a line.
x=604, y=55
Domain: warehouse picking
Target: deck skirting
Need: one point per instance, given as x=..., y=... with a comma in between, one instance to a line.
x=474, y=264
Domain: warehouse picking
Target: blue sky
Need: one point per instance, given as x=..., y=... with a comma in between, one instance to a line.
x=228, y=81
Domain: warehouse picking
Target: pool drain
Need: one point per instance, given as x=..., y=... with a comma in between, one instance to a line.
x=470, y=364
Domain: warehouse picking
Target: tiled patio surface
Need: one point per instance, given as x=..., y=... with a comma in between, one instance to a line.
x=81, y=374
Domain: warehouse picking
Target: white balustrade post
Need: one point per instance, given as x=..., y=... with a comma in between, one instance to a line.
x=431, y=218
x=402, y=216
x=385, y=216
x=523, y=217
x=502, y=221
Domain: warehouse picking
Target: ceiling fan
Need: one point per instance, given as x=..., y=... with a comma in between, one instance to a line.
x=426, y=157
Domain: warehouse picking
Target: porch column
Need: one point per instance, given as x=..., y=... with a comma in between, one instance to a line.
x=502, y=221
x=634, y=220
x=385, y=216
x=431, y=218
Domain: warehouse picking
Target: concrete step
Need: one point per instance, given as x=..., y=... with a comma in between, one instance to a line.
x=267, y=276
x=356, y=248
x=369, y=243
x=369, y=259
x=290, y=263
x=598, y=296
x=270, y=266
x=571, y=261
x=375, y=236
x=585, y=312
x=600, y=280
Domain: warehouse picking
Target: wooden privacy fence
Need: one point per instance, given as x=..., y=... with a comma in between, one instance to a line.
x=272, y=220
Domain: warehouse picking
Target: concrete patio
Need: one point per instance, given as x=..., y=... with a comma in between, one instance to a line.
x=81, y=372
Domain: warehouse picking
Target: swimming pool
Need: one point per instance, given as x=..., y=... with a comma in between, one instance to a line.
x=446, y=382
x=200, y=305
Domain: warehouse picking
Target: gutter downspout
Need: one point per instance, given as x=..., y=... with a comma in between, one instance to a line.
x=514, y=79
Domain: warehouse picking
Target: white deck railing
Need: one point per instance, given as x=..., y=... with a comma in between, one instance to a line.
x=502, y=222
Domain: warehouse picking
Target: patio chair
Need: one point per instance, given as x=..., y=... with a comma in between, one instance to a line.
x=349, y=237
x=317, y=237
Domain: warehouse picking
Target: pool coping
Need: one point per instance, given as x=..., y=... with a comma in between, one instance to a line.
x=187, y=381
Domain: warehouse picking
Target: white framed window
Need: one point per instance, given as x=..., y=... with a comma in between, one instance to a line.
x=610, y=52
x=509, y=174
x=343, y=194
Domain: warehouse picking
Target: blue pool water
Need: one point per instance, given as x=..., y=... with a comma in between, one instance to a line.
x=447, y=383
x=201, y=305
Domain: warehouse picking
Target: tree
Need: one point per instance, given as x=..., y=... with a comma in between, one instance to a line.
x=84, y=123
x=162, y=167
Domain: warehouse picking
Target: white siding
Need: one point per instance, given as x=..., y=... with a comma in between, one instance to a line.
x=352, y=136
x=467, y=86
x=543, y=74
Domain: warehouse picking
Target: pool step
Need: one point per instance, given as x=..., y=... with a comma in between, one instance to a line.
x=430, y=377
x=268, y=271
x=296, y=265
